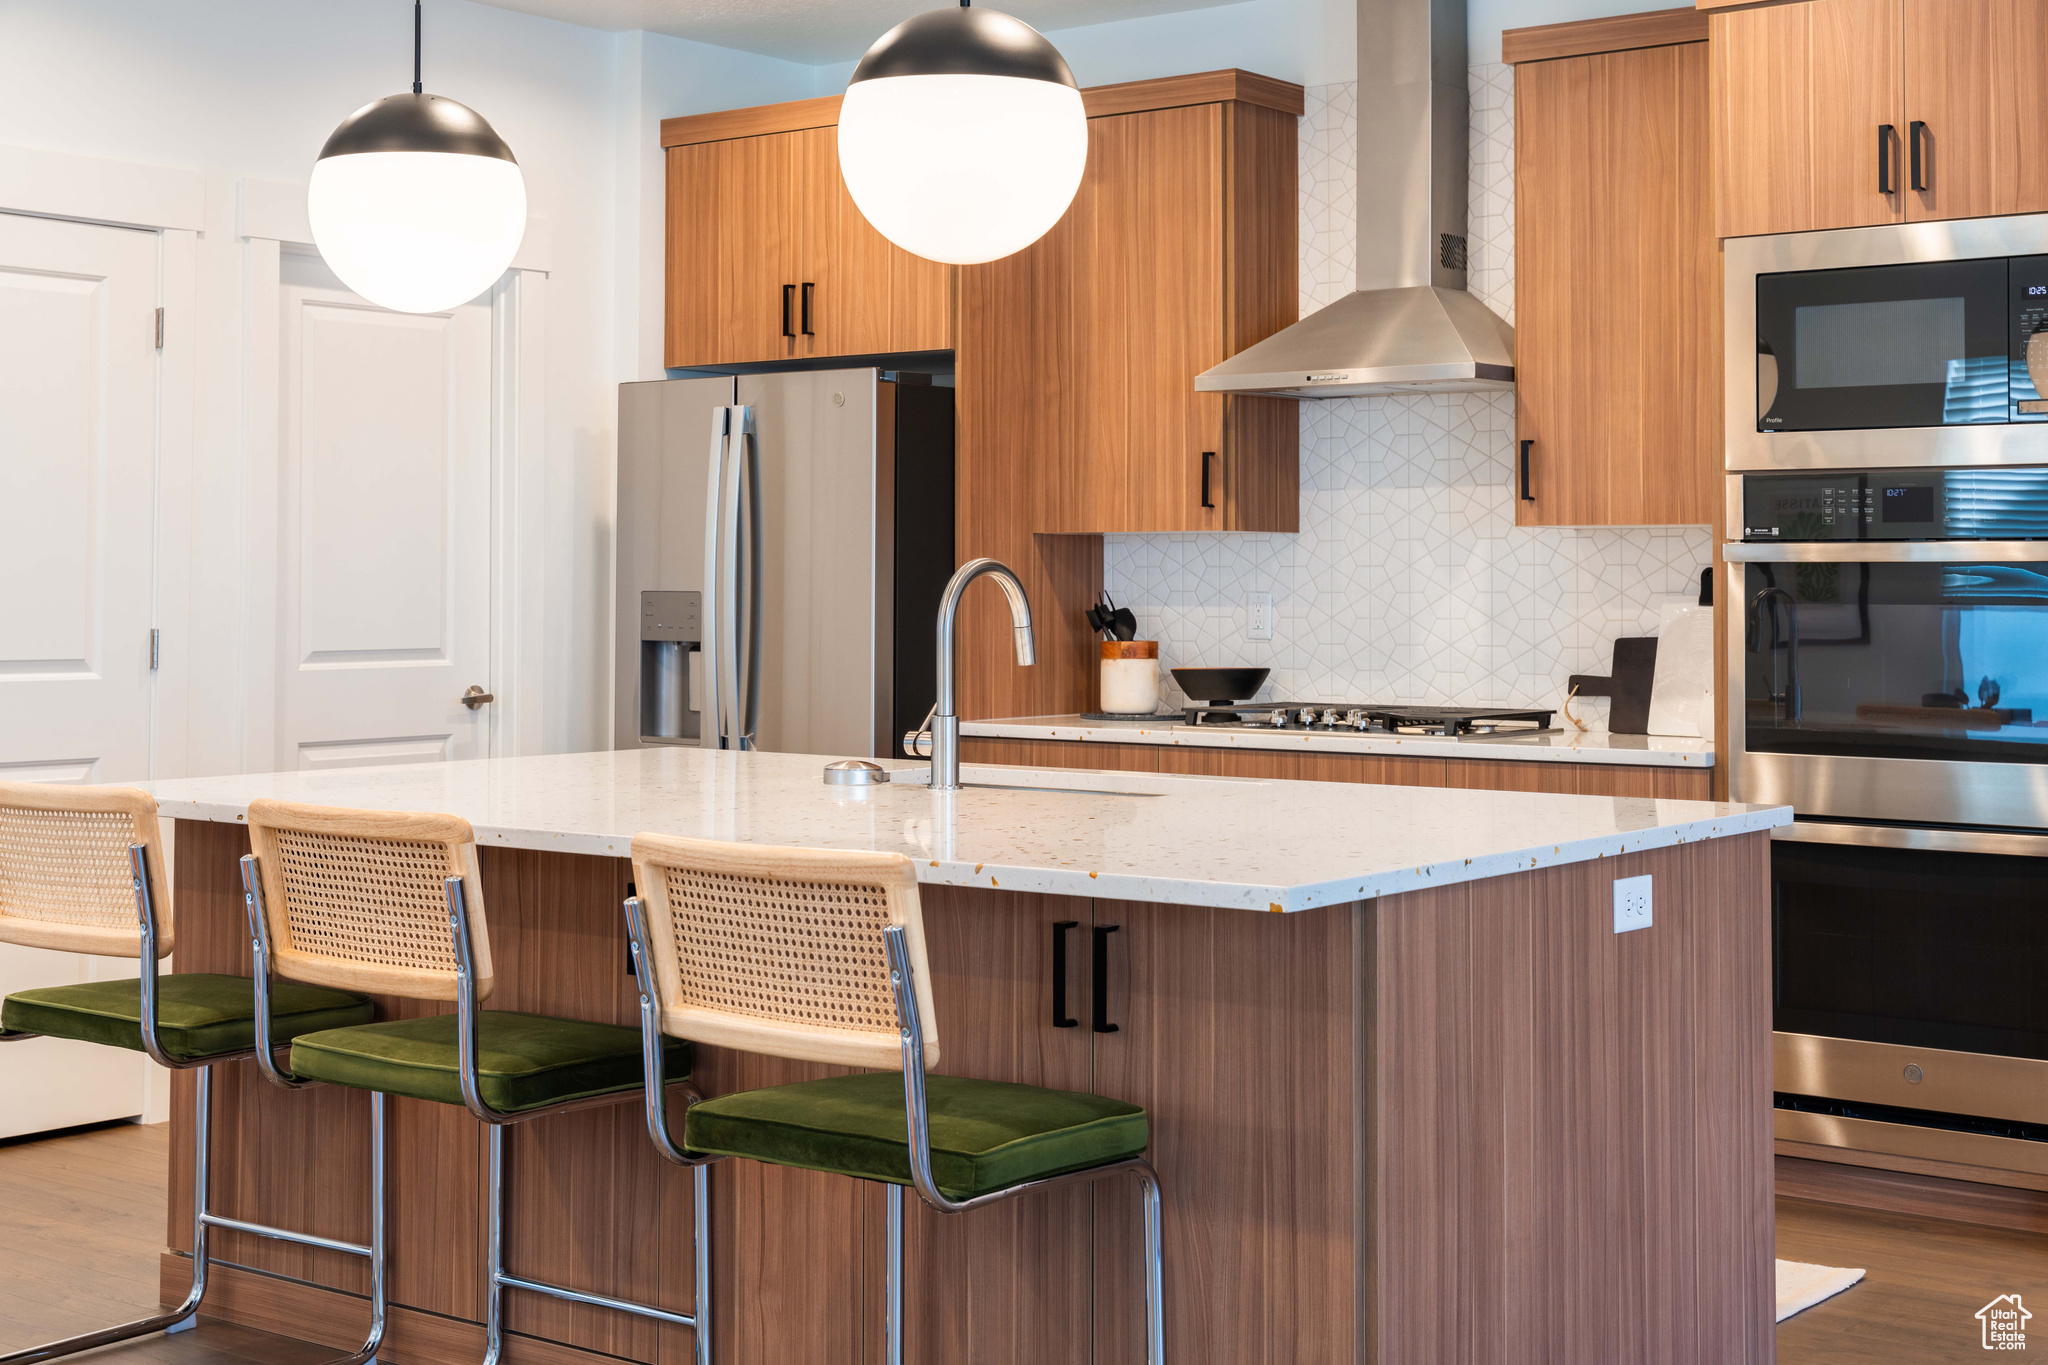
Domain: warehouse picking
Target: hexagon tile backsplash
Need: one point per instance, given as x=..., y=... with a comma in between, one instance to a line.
x=1408, y=581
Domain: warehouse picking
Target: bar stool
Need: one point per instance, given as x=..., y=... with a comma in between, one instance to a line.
x=819, y=955
x=391, y=902
x=82, y=871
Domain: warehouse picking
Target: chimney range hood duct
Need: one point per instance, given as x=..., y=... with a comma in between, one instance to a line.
x=1410, y=327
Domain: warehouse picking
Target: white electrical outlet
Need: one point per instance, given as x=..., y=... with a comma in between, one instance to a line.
x=1631, y=903
x=1258, y=616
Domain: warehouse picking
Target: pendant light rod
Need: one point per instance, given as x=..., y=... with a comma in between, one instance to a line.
x=417, y=88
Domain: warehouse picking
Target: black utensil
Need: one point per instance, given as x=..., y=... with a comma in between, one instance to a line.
x=1103, y=618
x=1124, y=624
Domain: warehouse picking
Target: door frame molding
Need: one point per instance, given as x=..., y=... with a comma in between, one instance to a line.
x=271, y=220
x=170, y=203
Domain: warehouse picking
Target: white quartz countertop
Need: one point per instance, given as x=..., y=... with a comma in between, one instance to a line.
x=1563, y=746
x=1254, y=844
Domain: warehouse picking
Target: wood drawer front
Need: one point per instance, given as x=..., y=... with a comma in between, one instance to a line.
x=1583, y=779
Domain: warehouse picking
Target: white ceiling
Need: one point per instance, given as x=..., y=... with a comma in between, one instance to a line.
x=814, y=32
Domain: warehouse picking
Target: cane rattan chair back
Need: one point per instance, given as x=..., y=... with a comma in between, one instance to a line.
x=66, y=881
x=780, y=950
x=358, y=899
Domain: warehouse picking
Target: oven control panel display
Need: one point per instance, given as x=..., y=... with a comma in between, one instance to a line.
x=1896, y=504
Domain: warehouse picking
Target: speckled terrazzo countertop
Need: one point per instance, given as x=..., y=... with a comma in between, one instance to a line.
x=1560, y=746
x=1252, y=844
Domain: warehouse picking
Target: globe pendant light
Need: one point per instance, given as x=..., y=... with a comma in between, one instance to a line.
x=962, y=137
x=416, y=202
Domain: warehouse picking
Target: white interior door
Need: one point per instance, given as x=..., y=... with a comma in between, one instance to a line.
x=77, y=563
x=384, y=587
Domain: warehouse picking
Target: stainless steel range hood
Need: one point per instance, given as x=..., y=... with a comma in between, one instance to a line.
x=1410, y=327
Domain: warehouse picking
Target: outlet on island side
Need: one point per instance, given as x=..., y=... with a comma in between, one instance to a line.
x=1258, y=616
x=1631, y=903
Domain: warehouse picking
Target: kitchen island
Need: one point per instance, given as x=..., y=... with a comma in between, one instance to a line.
x=1413, y=1097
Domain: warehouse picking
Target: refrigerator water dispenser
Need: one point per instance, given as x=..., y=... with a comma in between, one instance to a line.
x=671, y=627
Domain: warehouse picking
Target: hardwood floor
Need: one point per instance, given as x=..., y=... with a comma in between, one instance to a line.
x=1925, y=1279
x=82, y=1216
x=81, y=1230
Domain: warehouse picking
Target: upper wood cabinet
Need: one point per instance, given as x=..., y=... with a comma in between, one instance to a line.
x=1617, y=289
x=1851, y=113
x=1079, y=353
x=1974, y=84
x=769, y=259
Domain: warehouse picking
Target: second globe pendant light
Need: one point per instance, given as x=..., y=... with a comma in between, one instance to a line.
x=962, y=137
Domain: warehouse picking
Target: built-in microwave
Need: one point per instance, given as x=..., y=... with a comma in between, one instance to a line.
x=1912, y=344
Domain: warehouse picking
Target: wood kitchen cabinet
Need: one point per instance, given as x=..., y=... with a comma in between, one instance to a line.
x=1617, y=281
x=1853, y=113
x=770, y=259
x=1178, y=251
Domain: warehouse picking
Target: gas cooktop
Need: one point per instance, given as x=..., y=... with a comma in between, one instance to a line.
x=1363, y=718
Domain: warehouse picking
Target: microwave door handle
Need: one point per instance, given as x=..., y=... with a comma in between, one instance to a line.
x=712, y=710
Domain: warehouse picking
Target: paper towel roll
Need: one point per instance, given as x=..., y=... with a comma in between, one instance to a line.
x=1682, y=689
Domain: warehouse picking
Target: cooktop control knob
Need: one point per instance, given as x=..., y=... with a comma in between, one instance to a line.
x=1358, y=720
x=1307, y=716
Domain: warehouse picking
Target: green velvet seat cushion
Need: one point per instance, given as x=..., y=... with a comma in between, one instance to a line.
x=986, y=1135
x=199, y=1014
x=524, y=1061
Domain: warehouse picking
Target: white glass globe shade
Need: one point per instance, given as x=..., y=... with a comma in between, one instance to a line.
x=417, y=231
x=962, y=168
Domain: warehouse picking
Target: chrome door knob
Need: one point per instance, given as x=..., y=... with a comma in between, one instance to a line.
x=475, y=697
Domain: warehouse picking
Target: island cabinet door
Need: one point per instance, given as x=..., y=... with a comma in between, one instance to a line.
x=1237, y=1031
x=1008, y=1284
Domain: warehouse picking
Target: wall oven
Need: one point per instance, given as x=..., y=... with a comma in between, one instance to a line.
x=1916, y=344
x=1888, y=679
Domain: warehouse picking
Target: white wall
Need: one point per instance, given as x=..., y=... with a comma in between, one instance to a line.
x=238, y=88
x=1310, y=42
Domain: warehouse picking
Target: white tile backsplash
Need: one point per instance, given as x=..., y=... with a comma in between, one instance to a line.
x=1408, y=580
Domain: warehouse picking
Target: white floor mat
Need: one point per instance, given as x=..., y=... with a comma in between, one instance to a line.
x=1801, y=1286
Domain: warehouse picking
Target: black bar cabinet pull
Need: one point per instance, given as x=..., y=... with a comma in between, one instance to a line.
x=1915, y=131
x=1527, y=496
x=788, y=294
x=1884, y=158
x=1207, y=499
x=1100, y=985
x=810, y=292
x=1060, y=1018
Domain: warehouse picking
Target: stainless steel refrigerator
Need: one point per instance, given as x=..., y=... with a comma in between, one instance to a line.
x=783, y=540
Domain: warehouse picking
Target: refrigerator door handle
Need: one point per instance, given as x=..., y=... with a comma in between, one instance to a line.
x=713, y=648
x=731, y=633
x=746, y=570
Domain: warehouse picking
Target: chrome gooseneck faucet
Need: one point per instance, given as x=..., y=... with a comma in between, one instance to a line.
x=943, y=736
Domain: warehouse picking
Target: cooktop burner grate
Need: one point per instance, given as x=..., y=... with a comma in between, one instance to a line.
x=1365, y=718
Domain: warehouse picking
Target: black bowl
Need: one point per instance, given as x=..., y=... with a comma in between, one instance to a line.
x=1221, y=686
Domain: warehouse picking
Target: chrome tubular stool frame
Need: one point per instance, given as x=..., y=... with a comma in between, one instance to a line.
x=903, y=986
x=917, y=1115
x=496, y=1278
x=203, y=1218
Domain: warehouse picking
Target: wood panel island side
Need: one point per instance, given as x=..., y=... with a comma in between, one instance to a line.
x=1434, y=1109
